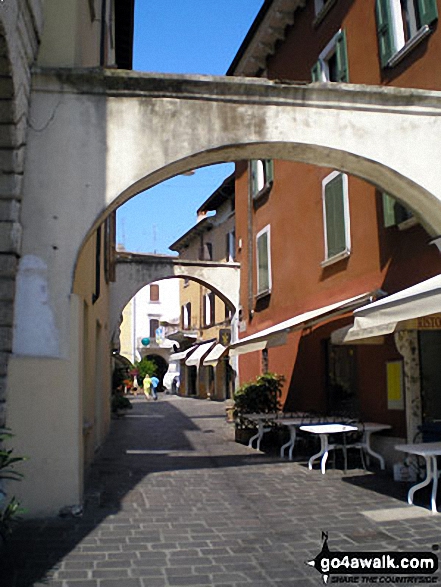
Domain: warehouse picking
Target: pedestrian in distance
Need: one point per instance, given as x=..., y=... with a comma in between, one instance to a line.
x=155, y=383
x=147, y=386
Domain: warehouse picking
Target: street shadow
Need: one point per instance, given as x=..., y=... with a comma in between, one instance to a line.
x=154, y=438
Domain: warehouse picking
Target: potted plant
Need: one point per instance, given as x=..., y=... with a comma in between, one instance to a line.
x=120, y=404
x=256, y=397
x=9, y=510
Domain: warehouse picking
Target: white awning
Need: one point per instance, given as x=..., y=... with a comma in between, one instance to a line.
x=214, y=355
x=182, y=354
x=382, y=317
x=200, y=351
x=276, y=335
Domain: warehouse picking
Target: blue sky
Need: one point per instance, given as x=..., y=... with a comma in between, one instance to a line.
x=180, y=36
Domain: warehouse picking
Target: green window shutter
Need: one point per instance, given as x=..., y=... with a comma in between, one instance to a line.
x=262, y=263
x=269, y=171
x=386, y=43
x=341, y=53
x=428, y=11
x=388, y=210
x=254, y=184
x=335, y=217
x=316, y=72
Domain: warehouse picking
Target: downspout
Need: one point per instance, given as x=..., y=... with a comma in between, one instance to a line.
x=103, y=33
x=250, y=242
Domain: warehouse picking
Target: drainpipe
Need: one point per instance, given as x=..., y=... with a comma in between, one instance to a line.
x=250, y=247
x=103, y=33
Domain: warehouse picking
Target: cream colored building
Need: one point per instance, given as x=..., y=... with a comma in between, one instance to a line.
x=205, y=317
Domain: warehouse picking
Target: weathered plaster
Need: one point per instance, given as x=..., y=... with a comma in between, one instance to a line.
x=406, y=342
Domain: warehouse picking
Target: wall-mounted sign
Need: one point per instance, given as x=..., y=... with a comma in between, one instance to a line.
x=225, y=336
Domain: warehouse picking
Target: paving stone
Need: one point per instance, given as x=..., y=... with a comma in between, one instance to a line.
x=217, y=515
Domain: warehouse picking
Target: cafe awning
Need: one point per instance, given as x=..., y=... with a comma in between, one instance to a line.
x=194, y=360
x=182, y=354
x=214, y=355
x=276, y=335
x=383, y=317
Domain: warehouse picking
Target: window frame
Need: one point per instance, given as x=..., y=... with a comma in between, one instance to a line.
x=267, y=175
x=264, y=292
x=330, y=259
x=152, y=322
x=209, y=308
x=322, y=7
x=393, y=46
x=155, y=299
x=337, y=47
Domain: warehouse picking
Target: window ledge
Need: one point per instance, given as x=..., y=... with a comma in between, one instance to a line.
x=323, y=12
x=335, y=258
x=407, y=223
x=422, y=33
x=263, y=192
x=263, y=294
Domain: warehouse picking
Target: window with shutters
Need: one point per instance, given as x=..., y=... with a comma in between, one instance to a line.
x=395, y=214
x=322, y=8
x=263, y=253
x=336, y=217
x=332, y=64
x=154, y=292
x=261, y=177
x=209, y=309
x=230, y=252
x=186, y=316
x=401, y=25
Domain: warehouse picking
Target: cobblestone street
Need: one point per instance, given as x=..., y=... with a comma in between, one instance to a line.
x=173, y=500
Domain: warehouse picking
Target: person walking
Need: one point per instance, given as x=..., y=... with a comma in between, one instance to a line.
x=155, y=383
x=147, y=386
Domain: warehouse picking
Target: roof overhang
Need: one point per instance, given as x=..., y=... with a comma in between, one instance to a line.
x=388, y=314
x=267, y=29
x=276, y=335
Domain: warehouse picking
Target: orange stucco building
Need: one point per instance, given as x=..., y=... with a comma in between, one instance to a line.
x=309, y=236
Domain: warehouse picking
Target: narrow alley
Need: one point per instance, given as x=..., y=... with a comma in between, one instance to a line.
x=173, y=500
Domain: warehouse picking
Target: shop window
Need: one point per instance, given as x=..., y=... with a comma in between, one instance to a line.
x=262, y=177
x=332, y=64
x=263, y=252
x=401, y=25
x=336, y=217
x=154, y=292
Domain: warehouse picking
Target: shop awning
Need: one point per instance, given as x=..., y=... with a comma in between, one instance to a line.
x=276, y=335
x=214, y=355
x=201, y=350
x=383, y=317
x=182, y=354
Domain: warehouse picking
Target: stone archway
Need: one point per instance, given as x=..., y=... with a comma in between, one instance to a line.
x=98, y=138
x=134, y=271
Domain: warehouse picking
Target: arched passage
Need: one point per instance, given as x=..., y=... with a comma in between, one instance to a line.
x=129, y=131
x=133, y=272
x=114, y=134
